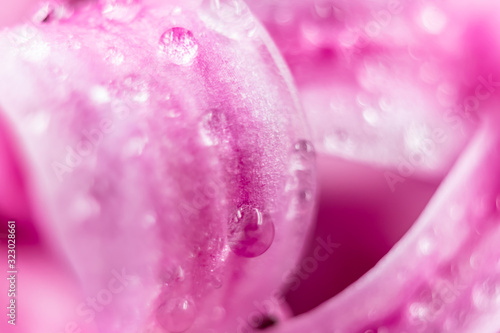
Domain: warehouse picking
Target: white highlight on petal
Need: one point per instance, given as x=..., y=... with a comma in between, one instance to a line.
x=99, y=94
x=433, y=19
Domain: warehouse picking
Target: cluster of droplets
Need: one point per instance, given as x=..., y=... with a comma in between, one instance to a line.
x=302, y=174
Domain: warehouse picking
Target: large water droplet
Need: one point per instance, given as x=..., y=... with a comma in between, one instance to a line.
x=250, y=233
x=179, y=45
x=176, y=314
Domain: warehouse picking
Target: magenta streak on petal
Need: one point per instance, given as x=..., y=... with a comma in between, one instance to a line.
x=442, y=276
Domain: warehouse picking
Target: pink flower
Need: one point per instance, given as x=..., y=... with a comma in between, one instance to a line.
x=160, y=173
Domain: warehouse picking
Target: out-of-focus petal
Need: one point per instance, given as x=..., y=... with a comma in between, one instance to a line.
x=443, y=276
x=396, y=83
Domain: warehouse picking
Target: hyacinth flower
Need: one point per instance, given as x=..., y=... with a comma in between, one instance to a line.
x=158, y=162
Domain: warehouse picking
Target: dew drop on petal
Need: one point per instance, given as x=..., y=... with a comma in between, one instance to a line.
x=250, y=233
x=179, y=46
x=215, y=281
x=304, y=148
x=177, y=314
x=305, y=196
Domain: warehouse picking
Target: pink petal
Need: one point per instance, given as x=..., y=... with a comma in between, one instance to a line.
x=145, y=130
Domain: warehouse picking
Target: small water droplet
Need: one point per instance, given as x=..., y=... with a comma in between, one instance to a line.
x=250, y=233
x=215, y=281
x=213, y=128
x=305, y=148
x=177, y=314
x=179, y=46
x=305, y=196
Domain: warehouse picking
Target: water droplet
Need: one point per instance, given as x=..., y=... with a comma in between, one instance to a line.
x=173, y=274
x=305, y=196
x=177, y=314
x=179, y=46
x=213, y=128
x=250, y=233
x=305, y=148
